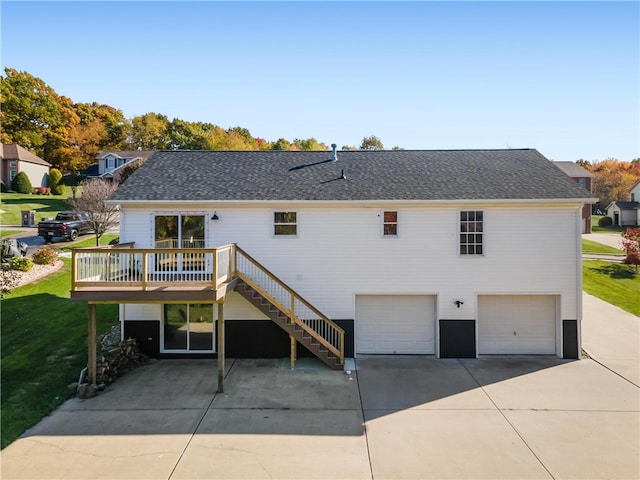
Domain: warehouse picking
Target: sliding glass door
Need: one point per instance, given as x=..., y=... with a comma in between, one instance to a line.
x=188, y=328
x=180, y=231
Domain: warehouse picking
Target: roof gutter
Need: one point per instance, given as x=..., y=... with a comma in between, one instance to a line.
x=490, y=201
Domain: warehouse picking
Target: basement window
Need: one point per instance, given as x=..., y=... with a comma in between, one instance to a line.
x=471, y=232
x=390, y=224
x=285, y=223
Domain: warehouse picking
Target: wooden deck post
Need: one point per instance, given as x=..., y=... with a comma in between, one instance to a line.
x=220, y=347
x=91, y=344
x=294, y=345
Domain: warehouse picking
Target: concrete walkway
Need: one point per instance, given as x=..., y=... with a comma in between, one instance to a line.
x=612, y=337
x=610, y=239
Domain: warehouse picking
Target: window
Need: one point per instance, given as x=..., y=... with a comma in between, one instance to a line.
x=285, y=223
x=582, y=182
x=111, y=163
x=390, y=223
x=13, y=163
x=12, y=175
x=471, y=233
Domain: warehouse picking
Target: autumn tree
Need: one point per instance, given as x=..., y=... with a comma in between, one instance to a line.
x=613, y=179
x=371, y=143
x=33, y=114
x=93, y=201
x=631, y=246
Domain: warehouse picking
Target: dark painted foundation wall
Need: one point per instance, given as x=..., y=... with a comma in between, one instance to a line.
x=458, y=339
x=244, y=339
x=264, y=339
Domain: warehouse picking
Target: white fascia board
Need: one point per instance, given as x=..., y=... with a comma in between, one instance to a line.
x=349, y=203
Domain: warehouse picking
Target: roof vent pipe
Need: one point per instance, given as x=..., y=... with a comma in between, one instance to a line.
x=334, y=156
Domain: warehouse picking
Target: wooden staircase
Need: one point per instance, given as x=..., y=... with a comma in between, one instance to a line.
x=289, y=311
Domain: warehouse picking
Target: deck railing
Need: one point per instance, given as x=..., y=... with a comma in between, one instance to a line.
x=125, y=266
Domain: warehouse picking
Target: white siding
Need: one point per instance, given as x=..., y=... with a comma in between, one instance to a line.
x=340, y=252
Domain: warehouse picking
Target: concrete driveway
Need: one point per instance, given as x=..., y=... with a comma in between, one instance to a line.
x=395, y=417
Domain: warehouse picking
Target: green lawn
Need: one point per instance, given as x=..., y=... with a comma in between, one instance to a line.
x=613, y=283
x=6, y=233
x=89, y=241
x=596, y=248
x=12, y=204
x=44, y=346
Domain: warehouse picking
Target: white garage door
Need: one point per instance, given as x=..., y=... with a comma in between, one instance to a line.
x=390, y=324
x=517, y=324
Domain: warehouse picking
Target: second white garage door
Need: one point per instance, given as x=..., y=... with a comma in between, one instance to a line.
x=517, y=324
x=390, y=324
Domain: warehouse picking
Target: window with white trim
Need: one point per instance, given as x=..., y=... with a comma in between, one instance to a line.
x=471, y=233
x=390, y=223
x=285, y=223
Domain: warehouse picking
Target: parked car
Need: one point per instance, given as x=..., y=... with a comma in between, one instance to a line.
x=67, y=225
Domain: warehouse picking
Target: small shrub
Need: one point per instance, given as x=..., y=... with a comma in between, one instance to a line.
x=22, y=264
x=3, y=187
x=45, y=256
x=55, y=182
x=605, y=222
x=21, y=183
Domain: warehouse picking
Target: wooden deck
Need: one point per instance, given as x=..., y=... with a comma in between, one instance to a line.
x=152, y=293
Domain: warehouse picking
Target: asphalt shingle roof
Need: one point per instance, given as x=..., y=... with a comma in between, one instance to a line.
x=369, y=175
x=13, y=151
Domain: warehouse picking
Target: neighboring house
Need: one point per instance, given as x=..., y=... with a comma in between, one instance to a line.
x=584, y=179
x=626, y=214
x=16, y=159
x=452, y=253
x=109, y=163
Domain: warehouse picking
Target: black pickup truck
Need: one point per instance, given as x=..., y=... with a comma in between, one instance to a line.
x=67, y=225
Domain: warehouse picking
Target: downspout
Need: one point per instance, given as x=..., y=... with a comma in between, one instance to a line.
x=579, y=292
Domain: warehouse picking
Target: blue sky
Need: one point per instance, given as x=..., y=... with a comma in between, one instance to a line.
x=562, y=77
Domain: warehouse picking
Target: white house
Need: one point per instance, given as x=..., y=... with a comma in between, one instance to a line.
x=454, y=253
x=626, y=214
x=110, y=162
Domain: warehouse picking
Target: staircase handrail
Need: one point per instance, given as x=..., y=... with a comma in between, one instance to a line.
x=336, y=350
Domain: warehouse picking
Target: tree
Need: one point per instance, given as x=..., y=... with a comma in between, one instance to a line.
x=85, y=141
x=149, y=132
x=631, y=245
x=309, y=144
x=21, y=183
x=613, y=179
x=281, y=144
x=371, y=143
x=55, y=182
x=102, y=215
x=33, y=114
x=125, y=172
